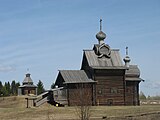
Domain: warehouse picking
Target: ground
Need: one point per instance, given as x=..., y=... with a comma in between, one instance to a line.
x=14, y=108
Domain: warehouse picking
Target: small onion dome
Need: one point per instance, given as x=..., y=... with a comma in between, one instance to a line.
x=127, y=59
x=100, y=35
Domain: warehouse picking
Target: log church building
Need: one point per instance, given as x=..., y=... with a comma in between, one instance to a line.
x=105, y=77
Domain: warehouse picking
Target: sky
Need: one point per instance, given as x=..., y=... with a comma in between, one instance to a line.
x=45, y=36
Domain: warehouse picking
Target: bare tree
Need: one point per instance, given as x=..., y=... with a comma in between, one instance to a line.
x=49, y=113
x=81, y=98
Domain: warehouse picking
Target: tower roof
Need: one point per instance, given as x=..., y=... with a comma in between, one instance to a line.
x=27, y=79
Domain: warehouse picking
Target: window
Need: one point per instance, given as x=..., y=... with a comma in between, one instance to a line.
x=99, y=91
x=113, y=90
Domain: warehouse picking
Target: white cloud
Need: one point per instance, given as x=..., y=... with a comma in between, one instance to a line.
x=8, y=68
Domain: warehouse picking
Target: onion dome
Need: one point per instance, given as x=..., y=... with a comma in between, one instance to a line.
x=101, y=35
x=127, y=58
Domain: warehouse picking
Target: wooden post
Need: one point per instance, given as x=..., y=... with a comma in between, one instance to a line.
x=27, y=102
x=124, y=87
x=68, y=95
x=137, y=99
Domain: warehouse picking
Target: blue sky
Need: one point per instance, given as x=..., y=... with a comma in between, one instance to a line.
x=50, y=35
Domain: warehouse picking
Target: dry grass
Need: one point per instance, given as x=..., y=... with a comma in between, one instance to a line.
x=117, y=111
x=11, y=109
x=14, y=108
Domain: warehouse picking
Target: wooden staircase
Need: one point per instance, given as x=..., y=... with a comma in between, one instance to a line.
x=49, y=97
x=41, y=99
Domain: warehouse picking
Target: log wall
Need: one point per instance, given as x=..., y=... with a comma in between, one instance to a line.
x=80, y=95
x=132, y=93
x=110, y=87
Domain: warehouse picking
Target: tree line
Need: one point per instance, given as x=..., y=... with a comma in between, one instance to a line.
x=8, y=88
x=40, y=87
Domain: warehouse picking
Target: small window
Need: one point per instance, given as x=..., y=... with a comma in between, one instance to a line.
x=99, y=91
x=113, y=90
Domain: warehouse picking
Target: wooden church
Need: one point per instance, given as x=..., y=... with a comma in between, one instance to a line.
x=103, y=79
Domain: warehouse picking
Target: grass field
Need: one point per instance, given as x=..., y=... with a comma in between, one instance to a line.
x=14, y=108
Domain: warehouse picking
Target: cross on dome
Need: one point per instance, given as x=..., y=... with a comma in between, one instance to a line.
x=101, y=35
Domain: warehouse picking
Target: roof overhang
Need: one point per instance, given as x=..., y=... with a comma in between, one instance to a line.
x=79, y=82
x=29, y=86
x=134, y=79
x=110, y=67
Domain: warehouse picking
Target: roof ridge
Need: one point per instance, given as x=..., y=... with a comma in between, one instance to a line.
x=70, y=70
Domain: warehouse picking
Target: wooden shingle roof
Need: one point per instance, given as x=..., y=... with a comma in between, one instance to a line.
x=75, y=76
x=133, y=74
x=133, y=71
x=114, y=61
x=27, y=79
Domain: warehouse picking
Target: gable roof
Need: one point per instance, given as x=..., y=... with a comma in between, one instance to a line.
x=114, y=62
x=75, y=76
